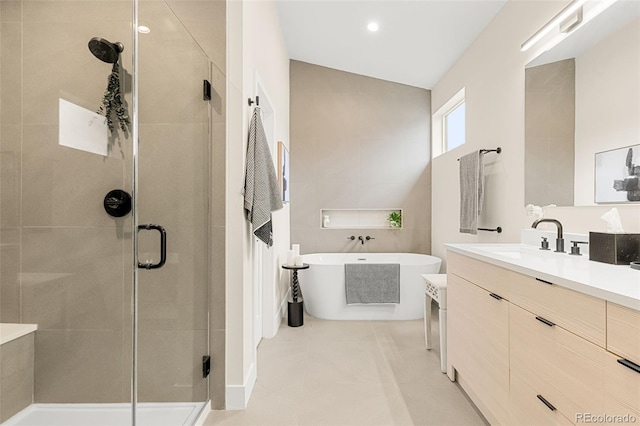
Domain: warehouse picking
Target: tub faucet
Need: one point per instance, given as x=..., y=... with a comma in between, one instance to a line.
x=559, y=239
x=361, y=239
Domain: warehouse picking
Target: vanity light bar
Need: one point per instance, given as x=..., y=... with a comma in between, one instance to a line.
x=553, y=23
x=584, y=10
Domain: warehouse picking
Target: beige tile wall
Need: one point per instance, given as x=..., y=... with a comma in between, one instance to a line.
x=10, y=163
x=74, y=259
x=549, y=133
x=16, y=376
x=65, y=265
x=358, y=143
x=79, y=366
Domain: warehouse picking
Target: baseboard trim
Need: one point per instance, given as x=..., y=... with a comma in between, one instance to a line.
x=282, y=312
x=236, y=396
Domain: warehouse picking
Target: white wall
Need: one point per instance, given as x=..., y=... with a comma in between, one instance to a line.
x=608, y=102
x=266, y=56
x=492, y=71
x=237, y=235
x=255, y=43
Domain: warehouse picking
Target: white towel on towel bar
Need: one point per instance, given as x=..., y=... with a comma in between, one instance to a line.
x=471, y=191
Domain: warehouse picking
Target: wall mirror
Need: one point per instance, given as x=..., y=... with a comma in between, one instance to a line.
x=582, y=97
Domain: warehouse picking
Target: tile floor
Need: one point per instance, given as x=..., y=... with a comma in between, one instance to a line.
x=351, y=373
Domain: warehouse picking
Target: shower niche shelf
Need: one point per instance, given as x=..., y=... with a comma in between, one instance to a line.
x=358, y=218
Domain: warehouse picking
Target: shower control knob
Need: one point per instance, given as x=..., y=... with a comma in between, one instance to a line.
x=117, y=203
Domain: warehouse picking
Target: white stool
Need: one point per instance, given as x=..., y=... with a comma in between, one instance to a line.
x=436, y=289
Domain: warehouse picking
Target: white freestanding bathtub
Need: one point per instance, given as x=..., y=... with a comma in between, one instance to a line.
x=323, y=286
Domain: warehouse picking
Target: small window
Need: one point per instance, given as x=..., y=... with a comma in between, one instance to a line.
x=448, y=125
x=454, y=128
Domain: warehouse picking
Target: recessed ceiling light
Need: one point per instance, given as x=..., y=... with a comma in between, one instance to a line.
x=373, y=26
x=143, y=29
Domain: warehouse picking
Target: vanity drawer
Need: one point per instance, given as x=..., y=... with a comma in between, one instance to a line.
x=528, y=409
x=622, y=388
x=623, y=332
x=490, y=277
x=566, y=369
x=576, y=312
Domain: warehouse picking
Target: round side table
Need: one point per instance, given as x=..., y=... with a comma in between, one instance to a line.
x=296, y=304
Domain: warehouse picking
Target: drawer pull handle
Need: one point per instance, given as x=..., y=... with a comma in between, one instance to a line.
x=543, y=281
x=632, y=365
x=547, y=403
x=495, y=296
x=545, y=321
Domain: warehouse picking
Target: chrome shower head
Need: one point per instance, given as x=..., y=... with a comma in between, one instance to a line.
x=105, y=50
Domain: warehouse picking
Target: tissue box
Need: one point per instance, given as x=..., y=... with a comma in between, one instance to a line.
x=617, y=249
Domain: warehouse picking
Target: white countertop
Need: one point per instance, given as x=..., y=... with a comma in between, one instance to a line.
x=615, y=283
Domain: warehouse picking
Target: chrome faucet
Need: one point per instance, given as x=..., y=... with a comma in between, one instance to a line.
x=559, y=239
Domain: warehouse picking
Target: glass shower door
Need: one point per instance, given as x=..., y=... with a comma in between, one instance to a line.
x=68, y=262
x=173, y=192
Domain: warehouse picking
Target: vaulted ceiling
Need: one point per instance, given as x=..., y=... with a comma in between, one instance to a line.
x=417, y=41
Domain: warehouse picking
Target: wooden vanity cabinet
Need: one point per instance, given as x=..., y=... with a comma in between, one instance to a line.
x=527, y=408
x=484, y=275
x=539, y=353
x=623, y=332
x=480, y=320
x=578, y=313
x=564, y=369
x=622, y=388
x=622, y=364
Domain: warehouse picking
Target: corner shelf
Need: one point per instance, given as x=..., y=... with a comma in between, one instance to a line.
x=358, y=218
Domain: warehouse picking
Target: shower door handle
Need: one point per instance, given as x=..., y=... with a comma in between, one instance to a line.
x=163, y=247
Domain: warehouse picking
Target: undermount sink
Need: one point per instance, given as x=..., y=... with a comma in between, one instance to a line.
x=513, y=251
x=512, y=254
x=499, y=248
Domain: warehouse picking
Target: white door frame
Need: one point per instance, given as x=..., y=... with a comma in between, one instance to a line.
x=263, y=260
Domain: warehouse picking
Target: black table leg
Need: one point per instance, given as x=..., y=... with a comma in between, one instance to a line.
x=296, y=308
x=295, y=287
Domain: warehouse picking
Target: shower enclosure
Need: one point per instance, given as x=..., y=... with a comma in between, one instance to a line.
x=119, y=341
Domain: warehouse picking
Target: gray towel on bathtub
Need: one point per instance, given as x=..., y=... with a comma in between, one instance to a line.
x=372, y=282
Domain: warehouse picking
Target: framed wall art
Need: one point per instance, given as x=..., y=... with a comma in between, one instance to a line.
x=618, y=175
